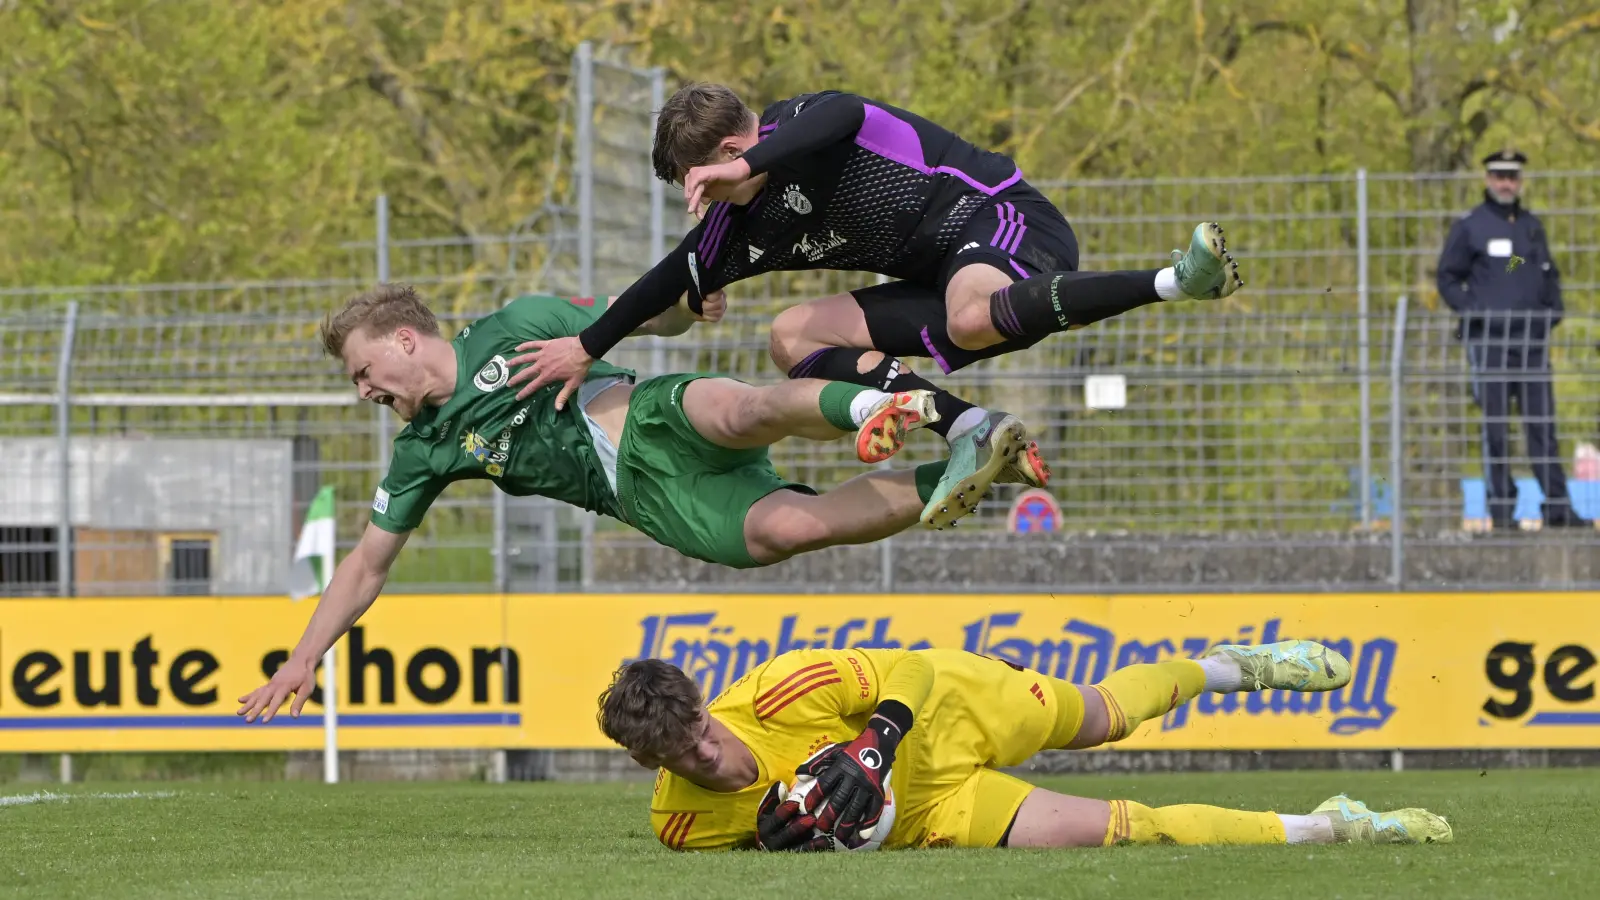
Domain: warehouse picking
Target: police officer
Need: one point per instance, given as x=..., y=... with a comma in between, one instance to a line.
x=1497, y=274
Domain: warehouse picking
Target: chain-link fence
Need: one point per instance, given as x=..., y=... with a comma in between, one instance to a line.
x=1254, y=450
x=165, y=439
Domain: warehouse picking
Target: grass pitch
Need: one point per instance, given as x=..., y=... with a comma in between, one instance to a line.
x=1518, y=834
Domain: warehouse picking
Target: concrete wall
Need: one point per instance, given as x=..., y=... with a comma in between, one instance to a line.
x=238, y=489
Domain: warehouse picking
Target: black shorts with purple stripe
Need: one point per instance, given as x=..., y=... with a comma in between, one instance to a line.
x=1019, y=232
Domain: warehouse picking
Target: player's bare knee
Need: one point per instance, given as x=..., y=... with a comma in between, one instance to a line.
x=788, y=343
x=970, y=326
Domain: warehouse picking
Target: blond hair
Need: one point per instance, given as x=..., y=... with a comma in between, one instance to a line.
x=377, y=312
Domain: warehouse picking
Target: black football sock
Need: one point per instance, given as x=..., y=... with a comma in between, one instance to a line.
x=1058, y=301
x=841, y=364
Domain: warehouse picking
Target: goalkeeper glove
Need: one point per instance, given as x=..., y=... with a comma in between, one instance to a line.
x=782, y=825
x=853, y=779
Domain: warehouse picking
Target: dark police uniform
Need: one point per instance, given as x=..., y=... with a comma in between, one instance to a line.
x=1496, y=272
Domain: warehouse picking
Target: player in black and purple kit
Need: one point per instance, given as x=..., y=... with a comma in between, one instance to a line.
x=985, y=263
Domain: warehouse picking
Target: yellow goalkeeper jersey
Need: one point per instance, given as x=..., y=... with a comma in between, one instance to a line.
x=979, y=713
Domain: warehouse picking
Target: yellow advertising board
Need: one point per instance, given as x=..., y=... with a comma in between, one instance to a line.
x=167, y=674
x=1431, y=671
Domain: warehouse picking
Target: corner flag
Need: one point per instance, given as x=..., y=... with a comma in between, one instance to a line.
x=313, y=569
x=313, y=555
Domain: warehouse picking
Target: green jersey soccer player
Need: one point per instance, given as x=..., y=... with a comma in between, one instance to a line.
x=682, y=458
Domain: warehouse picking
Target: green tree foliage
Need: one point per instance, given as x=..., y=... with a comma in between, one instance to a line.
x=167, y=142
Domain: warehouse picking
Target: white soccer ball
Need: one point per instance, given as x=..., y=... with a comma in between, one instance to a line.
x=874, y=838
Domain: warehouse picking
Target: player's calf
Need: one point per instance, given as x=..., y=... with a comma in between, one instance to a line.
x=737, y=416
x=1115, y=708
x=986, y=305
x=864, y=509
x=872, y=368
x=1047, y=819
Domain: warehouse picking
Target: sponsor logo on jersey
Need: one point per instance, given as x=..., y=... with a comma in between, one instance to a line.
x=796, y=200
x=380, y=502
x=971, y=246
x=814, y=250
x=861, y=677
x=493, y=376
x=492, y=456
x=475, y=446
x=756, y=252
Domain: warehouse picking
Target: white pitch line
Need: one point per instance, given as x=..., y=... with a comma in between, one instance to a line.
x=51, y=797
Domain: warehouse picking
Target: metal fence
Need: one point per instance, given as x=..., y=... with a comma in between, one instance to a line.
x=164, y=439
x=1255, y=450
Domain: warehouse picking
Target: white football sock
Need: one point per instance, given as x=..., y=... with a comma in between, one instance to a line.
x=1223, y=675
x=965, y=422
x=1307, y=829
x=1167, y=285
x=864, y=403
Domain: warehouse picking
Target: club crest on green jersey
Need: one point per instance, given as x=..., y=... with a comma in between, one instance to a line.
x=493, y=376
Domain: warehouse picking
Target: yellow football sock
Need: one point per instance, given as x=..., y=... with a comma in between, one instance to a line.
x=1136, y=823
x=1148, y=691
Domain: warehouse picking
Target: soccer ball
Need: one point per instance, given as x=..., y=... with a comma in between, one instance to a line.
x=804, y=785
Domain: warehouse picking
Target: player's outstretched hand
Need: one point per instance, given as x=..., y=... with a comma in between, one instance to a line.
x=852, y=780
x=292, y=677
x=561, y=361
x=701, y=177
x=781, y=825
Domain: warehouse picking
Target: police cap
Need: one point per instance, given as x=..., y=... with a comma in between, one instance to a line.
x=1504, y=161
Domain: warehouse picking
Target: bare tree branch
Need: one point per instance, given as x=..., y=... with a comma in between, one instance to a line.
x=1571, y=30
x=1545, y=99
x=1346, y=51
x=390, y=81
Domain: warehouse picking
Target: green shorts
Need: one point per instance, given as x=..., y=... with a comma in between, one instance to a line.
x=681, y=489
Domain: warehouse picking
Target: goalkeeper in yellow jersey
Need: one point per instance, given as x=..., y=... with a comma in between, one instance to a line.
x=934, y=726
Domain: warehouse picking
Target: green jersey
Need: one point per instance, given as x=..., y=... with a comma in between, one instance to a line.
x=484, y=431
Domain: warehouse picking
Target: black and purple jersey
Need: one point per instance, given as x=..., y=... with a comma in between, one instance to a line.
x=852, y=185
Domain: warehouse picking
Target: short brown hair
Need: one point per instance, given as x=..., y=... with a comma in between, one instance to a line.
x=692, y=123
x=651, y=707
x=378, y=312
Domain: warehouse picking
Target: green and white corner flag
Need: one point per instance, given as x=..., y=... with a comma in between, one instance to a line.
x=313, y=556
